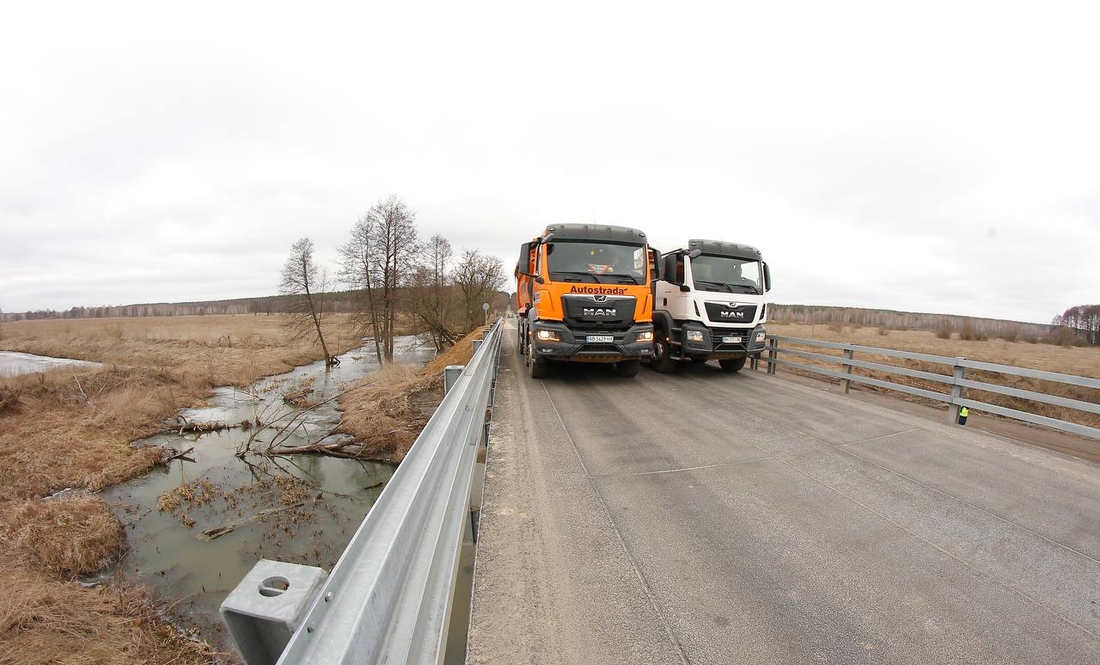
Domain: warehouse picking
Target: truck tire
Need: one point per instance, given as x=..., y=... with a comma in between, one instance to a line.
x=627, y=367
x=662, y=357
x=732, y=364
x=536, y=366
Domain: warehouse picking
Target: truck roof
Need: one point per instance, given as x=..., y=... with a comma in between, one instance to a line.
x=725, y=249
x=596, y=232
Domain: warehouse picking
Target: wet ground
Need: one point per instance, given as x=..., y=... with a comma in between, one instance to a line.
x=198, y=525
x=13, y=363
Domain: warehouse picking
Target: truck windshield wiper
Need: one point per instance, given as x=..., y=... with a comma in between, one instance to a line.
x=576, y=273
x=717, y=284
x=749, y=289
x=631, y=278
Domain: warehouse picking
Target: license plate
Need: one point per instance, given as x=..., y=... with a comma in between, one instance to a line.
x=599, y=339
x=731, y=340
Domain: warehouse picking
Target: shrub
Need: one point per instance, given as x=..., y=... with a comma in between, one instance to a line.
x=883, y=331
x=1011, y=334
x=1063, y=336
x=943, y=331
x=835, y=327
x=971, y=333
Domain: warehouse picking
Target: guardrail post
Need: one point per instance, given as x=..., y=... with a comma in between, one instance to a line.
x=265, y=609
x=475, y=344
x=450, y=375
x=958, y=374
x=847, y=383
x=773, y=346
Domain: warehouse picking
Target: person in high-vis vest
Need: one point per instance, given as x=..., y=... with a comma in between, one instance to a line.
x=963, y=413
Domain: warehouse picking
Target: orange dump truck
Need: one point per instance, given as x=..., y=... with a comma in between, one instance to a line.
x=584, y=294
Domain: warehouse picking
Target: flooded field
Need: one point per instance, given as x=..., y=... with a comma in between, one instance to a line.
x=196, y=527
x=13, y=363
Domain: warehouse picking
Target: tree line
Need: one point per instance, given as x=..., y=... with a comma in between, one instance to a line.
x=1076, y=326
x=1084, y=320
x=389, y=270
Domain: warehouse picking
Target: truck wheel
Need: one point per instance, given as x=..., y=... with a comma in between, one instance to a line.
x=627, y=367
x=662, y=357
x=732, y=364
x=536, y=366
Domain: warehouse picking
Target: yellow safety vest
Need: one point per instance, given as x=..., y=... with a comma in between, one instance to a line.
x=964, y=412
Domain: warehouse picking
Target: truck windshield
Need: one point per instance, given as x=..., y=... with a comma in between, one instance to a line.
x=725, y=273
x=605, y=263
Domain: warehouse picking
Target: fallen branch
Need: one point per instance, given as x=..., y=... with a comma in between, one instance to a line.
x=180, y=455
x=230, y=527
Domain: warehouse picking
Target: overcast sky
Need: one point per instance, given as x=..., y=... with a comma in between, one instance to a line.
x=937, y=158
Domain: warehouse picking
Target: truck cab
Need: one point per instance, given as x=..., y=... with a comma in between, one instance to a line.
x=710, y=304
x=584, y=294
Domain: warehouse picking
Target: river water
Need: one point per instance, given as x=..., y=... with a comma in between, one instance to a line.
x=196, y=527
x=13, y=363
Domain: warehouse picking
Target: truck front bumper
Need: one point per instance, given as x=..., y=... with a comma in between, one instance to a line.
x=699, y=340
x=634, y=343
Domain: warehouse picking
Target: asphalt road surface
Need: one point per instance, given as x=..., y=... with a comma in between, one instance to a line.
x=701, y=517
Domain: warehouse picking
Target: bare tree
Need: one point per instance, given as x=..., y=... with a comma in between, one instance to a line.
x=360, y=274
x=380, y=259
x=306, y=284
x=429, y=295
x=478, y=277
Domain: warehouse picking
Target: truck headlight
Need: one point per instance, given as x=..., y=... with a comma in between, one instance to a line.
x=646, y=336
x=760, y=336
x=548, y=336
x=695, y=335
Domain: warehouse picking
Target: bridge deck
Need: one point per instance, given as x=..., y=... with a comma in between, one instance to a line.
x=707, y=518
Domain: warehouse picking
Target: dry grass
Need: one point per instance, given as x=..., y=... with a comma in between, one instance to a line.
x=72, y=429
x=1083, y=361
x=65, y=537
x=47, y=622
x=387, y=409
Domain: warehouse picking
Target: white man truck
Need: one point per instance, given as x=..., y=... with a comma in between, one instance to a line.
x=710, y=304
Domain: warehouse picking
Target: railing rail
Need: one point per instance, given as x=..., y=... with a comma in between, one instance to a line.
x=956, y=381
x=390, y=595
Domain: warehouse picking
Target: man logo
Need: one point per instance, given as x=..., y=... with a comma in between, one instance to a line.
x=600, y=298
x=599, y=311
x=732, y=314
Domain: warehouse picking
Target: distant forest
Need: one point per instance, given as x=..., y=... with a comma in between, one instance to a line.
x=1077, y=326
x=1084, y=320
x=336, y=302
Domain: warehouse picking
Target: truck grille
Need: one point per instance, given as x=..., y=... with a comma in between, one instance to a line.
x=720, y=312
x=598, y=312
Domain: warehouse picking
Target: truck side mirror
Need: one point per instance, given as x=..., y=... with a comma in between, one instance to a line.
x=523, y=266
x=655, y=264
x=767, y=278
x=668, y=268
x=695, y=253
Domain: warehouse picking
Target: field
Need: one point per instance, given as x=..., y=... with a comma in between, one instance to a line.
x=70, y=430
x=1079, y=360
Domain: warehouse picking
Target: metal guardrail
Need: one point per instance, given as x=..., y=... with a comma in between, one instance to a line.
x=389, y=597
x=956, y=381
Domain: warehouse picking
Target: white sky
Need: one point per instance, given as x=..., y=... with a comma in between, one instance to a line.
x=933, y=157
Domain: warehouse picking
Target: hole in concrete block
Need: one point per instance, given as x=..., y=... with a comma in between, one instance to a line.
x=274, y=586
